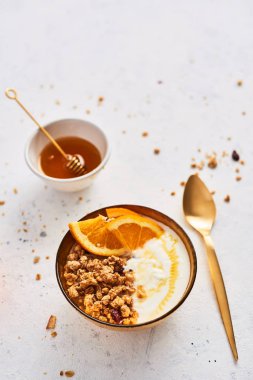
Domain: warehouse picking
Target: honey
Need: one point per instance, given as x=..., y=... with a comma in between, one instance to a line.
x=53, y=164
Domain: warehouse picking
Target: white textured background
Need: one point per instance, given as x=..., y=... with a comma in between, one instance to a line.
x=74, y=52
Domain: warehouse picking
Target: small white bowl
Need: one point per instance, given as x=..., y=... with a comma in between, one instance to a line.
x=62, y=128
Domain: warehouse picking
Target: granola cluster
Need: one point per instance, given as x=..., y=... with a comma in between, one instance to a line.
x=101, y=287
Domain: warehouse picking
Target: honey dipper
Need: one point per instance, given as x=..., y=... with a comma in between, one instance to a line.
x=73, y=162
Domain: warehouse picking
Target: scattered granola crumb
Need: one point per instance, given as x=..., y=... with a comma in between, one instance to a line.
x=199, y=150
x=15, y=190
x=239, y=83
x=238, y=178
x=243, y=113
x=242, y=162
x=43, y=234
x=182, y=183
x=87, y=112
x=47, y=257
x=51, y=322
x=141, y=292
x=229, y=138
x=53, y=334
x=145, y=134
x=38, y=277
x=235, y=156
x=100, y=99
x=2, y=203
x=212, y=163
x=156, y=151
x=80, y=199
x=237, y=170
x=173, y=193
x=224, y=153
x=227, y=199
x=213, y=192
x=36, y=259
x=57, y=102
x=33, y=250
x=124, y=132
x=61, y=373
x=69, y=373
x=25, y=229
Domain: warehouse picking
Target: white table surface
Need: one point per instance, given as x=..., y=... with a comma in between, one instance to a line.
x=72, y=52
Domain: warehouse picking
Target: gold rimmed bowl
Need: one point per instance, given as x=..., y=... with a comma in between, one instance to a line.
x=68, y=241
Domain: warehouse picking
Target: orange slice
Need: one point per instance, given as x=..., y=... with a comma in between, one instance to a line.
x=93, y=235
x=116, y=236
x=135, y=230
x=115, y=212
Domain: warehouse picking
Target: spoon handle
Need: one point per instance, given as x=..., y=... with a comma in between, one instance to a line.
x=220, y=292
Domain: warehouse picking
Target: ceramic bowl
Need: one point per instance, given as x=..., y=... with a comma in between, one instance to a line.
x=68, y=241
x=62, y=128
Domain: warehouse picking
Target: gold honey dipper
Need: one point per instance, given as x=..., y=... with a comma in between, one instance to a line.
x=74, y=163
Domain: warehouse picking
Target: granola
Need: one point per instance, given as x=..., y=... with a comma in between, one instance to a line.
x=101, y=287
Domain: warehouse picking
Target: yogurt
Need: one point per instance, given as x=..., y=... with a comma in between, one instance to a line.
x=162, y=268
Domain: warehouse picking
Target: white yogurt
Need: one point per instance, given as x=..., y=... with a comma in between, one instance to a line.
x=162, y=267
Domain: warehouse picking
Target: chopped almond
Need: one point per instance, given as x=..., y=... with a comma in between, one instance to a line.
x=227, y=199
x=212, y=163
x=51, y=322
x=36, y=259
x=69, y=373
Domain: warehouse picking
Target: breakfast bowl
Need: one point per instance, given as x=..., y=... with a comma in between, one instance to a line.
x=161, y=279
x=62, y=129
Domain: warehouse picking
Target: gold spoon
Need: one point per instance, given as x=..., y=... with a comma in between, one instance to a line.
x=200, y=212
x=74, y=163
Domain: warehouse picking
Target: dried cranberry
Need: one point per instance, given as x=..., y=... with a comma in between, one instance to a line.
x=118, y=268
x=235, y=156
x=116, y=316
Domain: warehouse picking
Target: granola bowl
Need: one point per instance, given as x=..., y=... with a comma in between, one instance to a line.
x=129, y=292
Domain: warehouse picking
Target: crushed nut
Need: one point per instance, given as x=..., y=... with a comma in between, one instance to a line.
x=36, y=259
x=69, y=373
x=212, y=162
x=227, y=199
x=51, y=322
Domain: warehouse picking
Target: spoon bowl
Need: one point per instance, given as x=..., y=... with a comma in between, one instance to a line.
x=198, y=204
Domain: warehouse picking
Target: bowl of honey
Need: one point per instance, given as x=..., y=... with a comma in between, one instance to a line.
x=76, y=137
